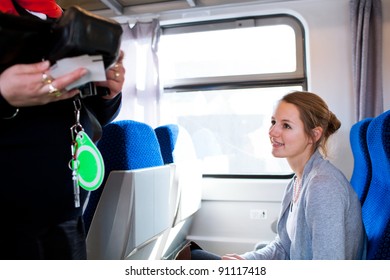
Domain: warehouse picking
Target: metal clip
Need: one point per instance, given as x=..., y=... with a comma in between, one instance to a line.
x=77, y=127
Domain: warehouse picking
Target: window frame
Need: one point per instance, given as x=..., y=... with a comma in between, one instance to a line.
x=298, y=77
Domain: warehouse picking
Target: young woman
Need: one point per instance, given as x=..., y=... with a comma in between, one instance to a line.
x=321, y=215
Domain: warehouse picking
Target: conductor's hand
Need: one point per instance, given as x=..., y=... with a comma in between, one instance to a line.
x=26, y=85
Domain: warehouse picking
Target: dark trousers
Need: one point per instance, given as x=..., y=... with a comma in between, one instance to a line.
x=199, y=254
x=65, y=241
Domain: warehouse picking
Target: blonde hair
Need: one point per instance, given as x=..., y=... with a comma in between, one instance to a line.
x=314, y=112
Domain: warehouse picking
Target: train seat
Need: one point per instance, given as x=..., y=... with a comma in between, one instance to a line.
x=180, y=150
x=361, y=175
x=167, y=137
x=132, y=209
x=376, y=207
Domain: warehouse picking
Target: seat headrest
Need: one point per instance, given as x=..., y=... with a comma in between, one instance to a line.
x=128, y=145
x=167, y=137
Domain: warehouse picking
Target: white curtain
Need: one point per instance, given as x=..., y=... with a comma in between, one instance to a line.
x=141, y=91
x=366, y=23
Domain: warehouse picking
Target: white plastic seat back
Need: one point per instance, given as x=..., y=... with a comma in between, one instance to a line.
x=133, y=211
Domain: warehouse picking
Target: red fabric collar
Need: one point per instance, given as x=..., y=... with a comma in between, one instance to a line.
x=47, y=7
x=7, y=7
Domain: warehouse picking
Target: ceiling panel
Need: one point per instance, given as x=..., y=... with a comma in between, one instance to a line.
x=93, y=5
x=119, y=6
x=86, y=4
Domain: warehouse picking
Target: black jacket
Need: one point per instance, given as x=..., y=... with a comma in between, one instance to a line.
x=36, y=188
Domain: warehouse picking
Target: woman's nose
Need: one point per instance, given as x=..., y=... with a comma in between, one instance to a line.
x=273, y=131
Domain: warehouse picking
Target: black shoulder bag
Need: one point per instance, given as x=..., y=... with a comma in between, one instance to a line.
x=25, y=39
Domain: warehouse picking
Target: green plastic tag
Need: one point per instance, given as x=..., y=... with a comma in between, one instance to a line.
x=90, y=163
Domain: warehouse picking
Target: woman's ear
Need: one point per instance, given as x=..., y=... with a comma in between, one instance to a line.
x=317, y=133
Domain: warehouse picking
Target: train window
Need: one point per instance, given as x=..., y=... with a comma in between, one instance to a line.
x=221, y=81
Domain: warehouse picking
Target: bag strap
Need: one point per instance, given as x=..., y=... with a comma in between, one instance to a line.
x=97, y=130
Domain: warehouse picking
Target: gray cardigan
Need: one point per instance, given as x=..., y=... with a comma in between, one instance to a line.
x=329, y=222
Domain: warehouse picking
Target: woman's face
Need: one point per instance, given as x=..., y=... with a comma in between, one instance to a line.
x=287, y=134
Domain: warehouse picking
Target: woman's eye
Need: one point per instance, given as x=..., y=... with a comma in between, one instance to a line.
x=286, y=126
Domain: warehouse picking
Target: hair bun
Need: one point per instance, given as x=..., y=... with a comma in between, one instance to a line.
x=333, y=124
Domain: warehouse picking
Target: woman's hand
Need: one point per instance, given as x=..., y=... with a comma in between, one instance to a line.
x=232, y=257
x=115, y=78
x=26, y=85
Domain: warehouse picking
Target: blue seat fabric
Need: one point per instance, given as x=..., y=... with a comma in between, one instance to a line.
x=376, y=207
x=167, y=137
x=362, y=170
